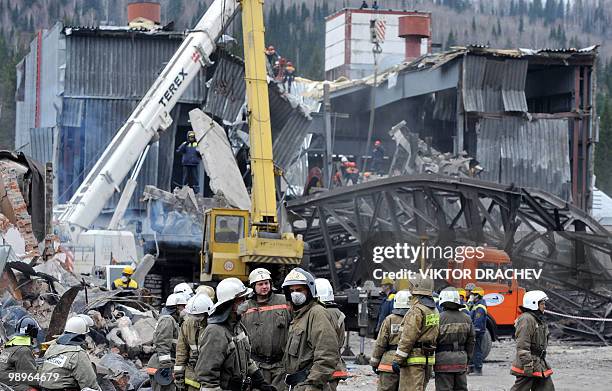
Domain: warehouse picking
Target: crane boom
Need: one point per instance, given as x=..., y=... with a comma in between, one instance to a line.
x=152, y=115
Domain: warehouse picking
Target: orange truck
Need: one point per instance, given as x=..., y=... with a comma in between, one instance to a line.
x=503, y=296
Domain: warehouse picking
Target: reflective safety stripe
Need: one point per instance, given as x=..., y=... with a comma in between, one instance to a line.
x=450, y=367
x=546, y=373
x=391, y=297
x=340, y=374
x=192, y=383
x=400, y=353
x=151, y=371
x=432, y=320
x=179, y=368
x=385, y=368
x=165, y=357
x=484, y=307
x=193, y=347
x=421, y=360
x=267, y=308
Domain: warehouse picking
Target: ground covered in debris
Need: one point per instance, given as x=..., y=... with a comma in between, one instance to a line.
x=577, y=367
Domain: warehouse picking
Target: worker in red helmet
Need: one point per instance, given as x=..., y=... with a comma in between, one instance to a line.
x=289, y=76
x=378, y=158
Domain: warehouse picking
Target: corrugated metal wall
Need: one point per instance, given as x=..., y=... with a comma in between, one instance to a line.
x=42, y=144
x=526, y=153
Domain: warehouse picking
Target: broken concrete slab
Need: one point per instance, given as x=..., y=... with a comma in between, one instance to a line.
x=219, y=161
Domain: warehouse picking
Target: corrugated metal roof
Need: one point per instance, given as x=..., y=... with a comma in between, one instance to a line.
x=121, y=66
x=227, y=89
x=526, y=153
x=41, y=144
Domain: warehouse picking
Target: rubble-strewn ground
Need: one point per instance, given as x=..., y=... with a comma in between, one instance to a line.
x=577, y=367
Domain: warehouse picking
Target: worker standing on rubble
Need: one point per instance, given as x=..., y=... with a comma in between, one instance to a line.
x=125, y=281
x=289, y=76
x=165, y=337
x=190, y=161
x=415, y=354
x=66, y=364
x=530, y=367
x=478, y=312
x=17, y=356
x=378, y=158
x=187, y=346
x=312, y=352
x=386, y=343
x=455, y=344
x=267, y=321
x=325, y=293
x=225, y=359
x=387, y=287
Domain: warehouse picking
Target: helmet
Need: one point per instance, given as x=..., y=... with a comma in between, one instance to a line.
x=183, y=287
x=470, y=286
x=76, y=325
x=377, y=143
x=533, y=298
x=27, y=327
x=230, y=289
x=199, y=304
x=422, y=286
x=191, y=133
x=478, y=291
x=461, y=292
x=449, y=295
x=176, y=299
x=343, y=159
x=259, y=274
x=289, y=63
x=402, y=299
x=325, y=291
x=299, y=276
x=208, y=290
x=387, y=281
x=88, y=320
x=128, y=270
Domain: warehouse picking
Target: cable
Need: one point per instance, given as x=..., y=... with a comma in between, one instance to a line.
x=577, y=317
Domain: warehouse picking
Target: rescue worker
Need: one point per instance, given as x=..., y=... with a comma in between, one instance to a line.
x=325, y=294
x=224, y=361
x=386, y=343
x=223, y=233
x=267, y=321
x=184, y=289
x=17, y=356
x=386, y=307
x=187, y=346
x=312, y=352
x=455, y=344
x=464, y=307
x=415, y=354
x=378, y=158
x=352, y=173
x=66, y=364
x=165, y=337
x=364, y=5
x=479, y=319
x=530, y=367
x=289, y=76
x=190, y=161
x=125, y=281
x=468, y=293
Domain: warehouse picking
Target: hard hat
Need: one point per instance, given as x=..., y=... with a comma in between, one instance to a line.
x=88, y=320
x=449, y=295
x=183, y=287
x=461, y=292
x=478, y=291
x=191, y=133
x=259, y=274
x=76, y=325
x=470, y=286
x=402, y=299
x=532, y=299
x=208, y=290
x=387, y=281
x=27, y=327
x=377, y=143
x=199, y=304
x=421, y=286
x=176, y=299
x=343, y=159
x=230, y=289
x=128, y=270
x=299, y=276
x=325, y=291
x=289, y=63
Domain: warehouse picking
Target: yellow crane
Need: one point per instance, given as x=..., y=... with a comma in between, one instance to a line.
x=236, y=241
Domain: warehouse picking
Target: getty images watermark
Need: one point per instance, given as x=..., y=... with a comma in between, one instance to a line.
x=406, y=253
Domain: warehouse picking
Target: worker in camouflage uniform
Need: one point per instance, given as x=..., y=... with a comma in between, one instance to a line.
x=386, y=343
x=415, y=354
x=66, y=365
x=224, y=362
x=267, y=321
x=325, y=293
x=478, y=312
x=455, y=343
x=17, y=355
x=187, y=350
x=312, y=352
x=530, y=367
x=165, y=337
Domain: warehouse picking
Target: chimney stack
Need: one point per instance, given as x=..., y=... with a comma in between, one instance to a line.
x=144, y=14
x=415, y=28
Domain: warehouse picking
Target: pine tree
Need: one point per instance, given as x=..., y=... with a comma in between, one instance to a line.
x=450, y=40
x=499, y=29
x=473, y=24
x=521, y=27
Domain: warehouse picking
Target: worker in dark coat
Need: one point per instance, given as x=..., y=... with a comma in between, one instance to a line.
x=190, y=161
x=378, y=158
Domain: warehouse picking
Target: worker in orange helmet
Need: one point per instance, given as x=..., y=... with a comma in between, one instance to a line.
x=289, y=75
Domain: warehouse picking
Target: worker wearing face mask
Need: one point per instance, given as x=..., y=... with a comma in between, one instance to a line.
x=125, y=281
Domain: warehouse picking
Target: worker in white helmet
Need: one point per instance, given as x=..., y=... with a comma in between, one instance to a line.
x=165, y=336
x=184, y=289
x=530, y=366
x=224, y=361
x=66, y=364
x=267, y=321
x=187, y=346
